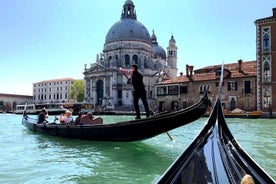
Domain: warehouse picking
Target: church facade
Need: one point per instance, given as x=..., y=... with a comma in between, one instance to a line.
x=128, y=42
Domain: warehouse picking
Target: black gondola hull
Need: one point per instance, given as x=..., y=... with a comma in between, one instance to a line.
x=214, y=157
x=123, y=131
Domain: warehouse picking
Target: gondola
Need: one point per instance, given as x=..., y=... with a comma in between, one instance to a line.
x=215, y=157
x=123, y=131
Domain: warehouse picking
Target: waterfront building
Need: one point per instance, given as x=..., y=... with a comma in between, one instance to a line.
x=128, y=42
x=238, y=89
x=52, y=91
x=8, y=102
x=266, y=64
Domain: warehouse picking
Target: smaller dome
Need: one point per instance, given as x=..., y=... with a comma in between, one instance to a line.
x=159, y=52
x=157, y=49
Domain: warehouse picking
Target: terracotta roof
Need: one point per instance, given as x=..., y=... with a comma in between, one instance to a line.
x=263, y=19
x=268, y=18
x=248, y=68
x=15, y=95
x=55, y=80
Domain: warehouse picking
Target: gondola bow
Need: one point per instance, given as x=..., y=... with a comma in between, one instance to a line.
x=214, y=157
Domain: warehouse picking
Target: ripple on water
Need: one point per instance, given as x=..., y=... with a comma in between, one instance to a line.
x=29, y=158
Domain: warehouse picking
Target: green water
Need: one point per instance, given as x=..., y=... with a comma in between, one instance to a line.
x=30, y=158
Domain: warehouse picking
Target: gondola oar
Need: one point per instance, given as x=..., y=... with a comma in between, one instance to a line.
x=169, y=136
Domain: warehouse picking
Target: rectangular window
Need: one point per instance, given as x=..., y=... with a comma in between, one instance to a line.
x=232, y=86
x=247, y=104
x=217, y=84
x=173, y=90
x=161, y=91
x=183, y=89
x=184, y=104
x=120, y=94
x=218, y=73
x=247, y=87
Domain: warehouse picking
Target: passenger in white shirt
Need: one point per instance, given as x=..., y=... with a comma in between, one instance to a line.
x=66, y=117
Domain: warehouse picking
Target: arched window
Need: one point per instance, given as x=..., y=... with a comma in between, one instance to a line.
x=109, y=61
x=266, y=39
x=135, y=59
x=127, y=63
x=201, y=89
x=145, y=62
x=208, y=88
x=99, y=92
x=232, y=104
x=266, y=72
x=267, y=98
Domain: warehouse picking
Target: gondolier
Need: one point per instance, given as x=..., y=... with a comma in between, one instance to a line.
x=139, y=91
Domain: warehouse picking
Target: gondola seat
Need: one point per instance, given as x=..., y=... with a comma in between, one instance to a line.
x=94, y=121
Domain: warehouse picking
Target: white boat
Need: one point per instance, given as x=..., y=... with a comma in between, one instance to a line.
x=53, y=109
x=30, y=109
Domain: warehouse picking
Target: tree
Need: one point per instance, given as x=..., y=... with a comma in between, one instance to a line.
x=77, y=91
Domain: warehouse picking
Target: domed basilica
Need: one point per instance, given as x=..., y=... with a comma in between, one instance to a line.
x=128, y=42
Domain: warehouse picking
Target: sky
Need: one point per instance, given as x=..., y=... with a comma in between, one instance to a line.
x=50, y=39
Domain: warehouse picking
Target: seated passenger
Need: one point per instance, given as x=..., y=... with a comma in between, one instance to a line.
x=91, y=120
x=42, y=116
x=78, y=119
x=66, y=117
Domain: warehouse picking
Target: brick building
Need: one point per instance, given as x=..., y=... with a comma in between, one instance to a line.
x=266, y=64
x=238, y=90
x=9, y=101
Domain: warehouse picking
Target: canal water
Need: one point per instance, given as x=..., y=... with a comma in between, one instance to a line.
x=30, y=158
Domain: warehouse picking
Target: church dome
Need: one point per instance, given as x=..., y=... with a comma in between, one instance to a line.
x=158, y=51
x=128, y=28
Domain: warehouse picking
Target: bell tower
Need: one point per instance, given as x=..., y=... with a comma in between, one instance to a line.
x=172, y=57
x=266, y=64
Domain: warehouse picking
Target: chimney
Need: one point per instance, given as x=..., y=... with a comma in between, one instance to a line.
x=181, y=74
x=274, y=12
x=191, y=70
x=240, y=65
x=187, y=70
